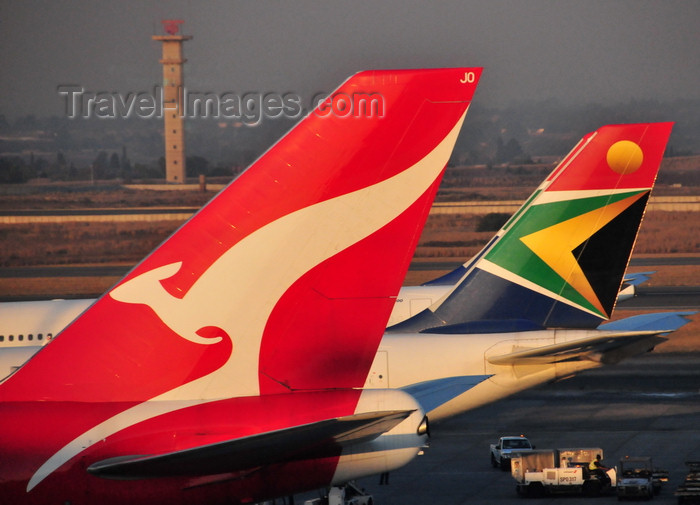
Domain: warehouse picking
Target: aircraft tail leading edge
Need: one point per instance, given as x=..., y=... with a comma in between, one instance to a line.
x=277, y=290
x=560, y=260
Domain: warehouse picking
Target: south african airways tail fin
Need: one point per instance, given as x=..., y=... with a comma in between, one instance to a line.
x=560, y=260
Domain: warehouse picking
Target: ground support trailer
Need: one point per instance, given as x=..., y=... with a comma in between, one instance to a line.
x=556, y=471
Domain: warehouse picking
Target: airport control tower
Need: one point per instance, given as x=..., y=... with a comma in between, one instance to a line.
x=173, y=88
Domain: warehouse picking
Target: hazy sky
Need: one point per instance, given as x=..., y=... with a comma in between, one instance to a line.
x=573, y=50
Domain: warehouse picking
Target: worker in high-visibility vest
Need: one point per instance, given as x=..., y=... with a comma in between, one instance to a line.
x=597, y=468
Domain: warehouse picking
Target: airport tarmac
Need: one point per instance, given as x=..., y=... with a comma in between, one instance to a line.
x=646, y=406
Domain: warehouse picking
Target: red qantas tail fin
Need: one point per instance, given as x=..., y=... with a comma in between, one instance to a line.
x=286, y=279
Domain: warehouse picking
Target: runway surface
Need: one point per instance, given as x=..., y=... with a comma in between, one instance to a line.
x=120, y=270
x=648, y=298
x=673, y=260
x=647, y=406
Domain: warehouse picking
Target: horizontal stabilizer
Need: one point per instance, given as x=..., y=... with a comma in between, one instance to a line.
x=319, y=439
x=635, y=279
x=661, y=322
x=585, y=348
x=432, y=394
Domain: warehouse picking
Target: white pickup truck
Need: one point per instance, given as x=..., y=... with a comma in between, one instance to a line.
x=501, y=451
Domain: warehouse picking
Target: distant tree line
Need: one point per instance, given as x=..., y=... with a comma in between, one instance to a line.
x=106, y=166
x=519, y=134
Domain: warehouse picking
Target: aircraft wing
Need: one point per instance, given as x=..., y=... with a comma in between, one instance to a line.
x=319, y=439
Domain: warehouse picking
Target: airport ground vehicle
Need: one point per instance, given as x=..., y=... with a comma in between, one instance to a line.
x=689, y=491
x=637, y=478
x=559, y=471
x=502, y=450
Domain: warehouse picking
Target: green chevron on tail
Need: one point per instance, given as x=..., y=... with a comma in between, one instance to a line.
x=542, y=248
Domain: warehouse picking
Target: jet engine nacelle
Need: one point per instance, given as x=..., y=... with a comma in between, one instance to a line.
x=392, y=449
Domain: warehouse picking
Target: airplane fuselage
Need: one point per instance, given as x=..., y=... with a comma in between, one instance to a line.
x=37, y=322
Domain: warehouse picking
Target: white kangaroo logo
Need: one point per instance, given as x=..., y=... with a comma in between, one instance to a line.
x=146, y=289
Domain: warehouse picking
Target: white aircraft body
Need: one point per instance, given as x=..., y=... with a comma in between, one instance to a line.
x=37, y=322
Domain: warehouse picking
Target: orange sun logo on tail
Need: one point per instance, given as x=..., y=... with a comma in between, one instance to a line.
x=624, y=157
